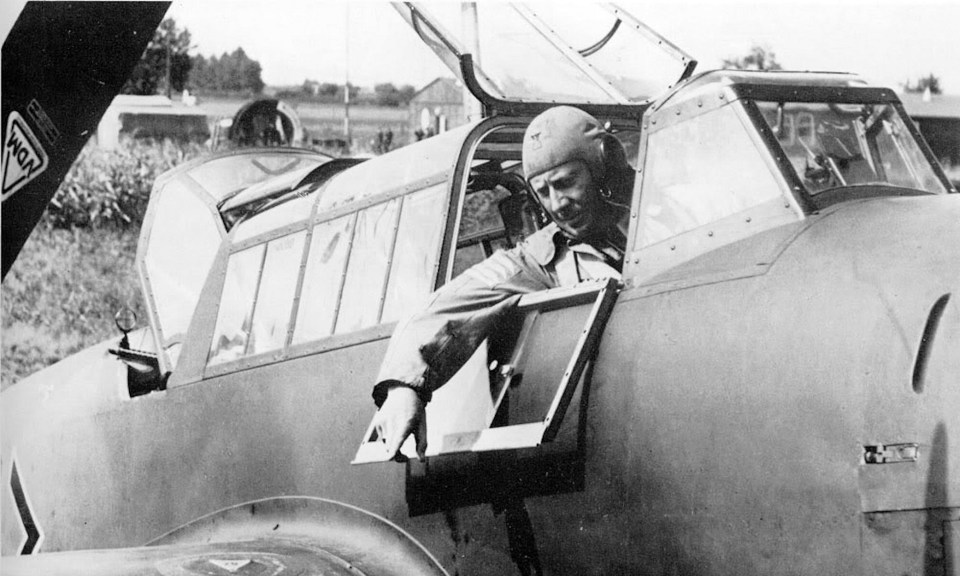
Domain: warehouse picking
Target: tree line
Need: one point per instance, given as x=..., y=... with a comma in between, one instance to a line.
x=384, y=94
x=234, y=72
x=166, y=66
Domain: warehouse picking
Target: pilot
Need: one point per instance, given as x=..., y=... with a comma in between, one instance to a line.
x=579, y=175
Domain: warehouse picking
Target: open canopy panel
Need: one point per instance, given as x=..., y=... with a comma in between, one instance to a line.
x=583, y=53
x=484, y=407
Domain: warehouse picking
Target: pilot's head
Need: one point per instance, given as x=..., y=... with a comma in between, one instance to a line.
x=565, y=160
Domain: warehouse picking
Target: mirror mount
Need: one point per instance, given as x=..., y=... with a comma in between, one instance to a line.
x=143, y=368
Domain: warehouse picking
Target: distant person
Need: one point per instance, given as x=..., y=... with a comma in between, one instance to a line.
x=580, y=177
x=270, y=136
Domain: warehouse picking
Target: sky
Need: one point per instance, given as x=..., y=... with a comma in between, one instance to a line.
x=887, y=41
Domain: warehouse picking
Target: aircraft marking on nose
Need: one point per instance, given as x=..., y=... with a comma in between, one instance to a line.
x=230, y=565
x=34, y=536
x=255, y=563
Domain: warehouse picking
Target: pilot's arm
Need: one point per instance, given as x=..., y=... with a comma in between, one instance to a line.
x=428, y=348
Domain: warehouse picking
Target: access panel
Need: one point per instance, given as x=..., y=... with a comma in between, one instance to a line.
x=515, y=398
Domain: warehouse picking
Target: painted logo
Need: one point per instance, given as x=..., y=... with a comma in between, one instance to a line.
x=23, y=157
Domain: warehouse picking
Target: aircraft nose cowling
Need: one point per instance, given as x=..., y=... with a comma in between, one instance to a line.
x=889, y=269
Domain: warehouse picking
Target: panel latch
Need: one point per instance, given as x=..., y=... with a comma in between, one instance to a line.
x=891, y=453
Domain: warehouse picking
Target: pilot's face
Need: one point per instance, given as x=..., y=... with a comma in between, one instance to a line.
x=571, y=197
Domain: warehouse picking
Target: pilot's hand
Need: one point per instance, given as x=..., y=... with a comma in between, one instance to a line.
x=402, y=414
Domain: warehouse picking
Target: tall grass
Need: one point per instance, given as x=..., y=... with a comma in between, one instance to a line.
x=110, y=189
x=78, y=266
x=62, y=293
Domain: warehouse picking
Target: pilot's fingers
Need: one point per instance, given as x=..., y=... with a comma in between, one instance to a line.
x=395, y=434
x=386, y=427
x=398, y=417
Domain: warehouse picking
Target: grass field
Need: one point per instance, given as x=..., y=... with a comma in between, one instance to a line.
x=77, y=267
x=61, y=294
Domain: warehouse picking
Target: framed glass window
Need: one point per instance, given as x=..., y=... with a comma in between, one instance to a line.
x=698, y=172
x=367, y=268
x=851, y=144
x=482, y=231
x=559, y=333
x=293, y=210
x=585, y=54
x=183, y=242
x=235, y=317
x=414, y=266
x=271, y=316
x=323, y=278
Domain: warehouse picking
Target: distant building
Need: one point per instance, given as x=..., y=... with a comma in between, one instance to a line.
x=938, y=118
x=151, y=117
x=437, y=107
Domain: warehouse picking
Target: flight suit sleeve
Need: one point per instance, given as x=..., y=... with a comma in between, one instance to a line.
x=429, y=347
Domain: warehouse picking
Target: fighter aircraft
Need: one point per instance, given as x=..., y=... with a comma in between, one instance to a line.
x=772, y=388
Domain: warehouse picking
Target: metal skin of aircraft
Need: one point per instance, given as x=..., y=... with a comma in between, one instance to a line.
x=771, y=389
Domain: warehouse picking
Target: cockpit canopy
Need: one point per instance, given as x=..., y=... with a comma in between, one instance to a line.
x=191, y=210
x=586, y=54
x=729, y=154
x=334, y=258
x=836, y=144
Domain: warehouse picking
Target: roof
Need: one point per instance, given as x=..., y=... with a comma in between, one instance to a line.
x=938, y=105
x=441, y=90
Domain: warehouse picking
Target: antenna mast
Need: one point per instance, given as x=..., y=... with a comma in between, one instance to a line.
x=346, y=82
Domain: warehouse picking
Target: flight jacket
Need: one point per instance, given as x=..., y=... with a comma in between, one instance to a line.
x=430, y=346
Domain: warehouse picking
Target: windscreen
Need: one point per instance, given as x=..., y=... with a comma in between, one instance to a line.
x=834, y=145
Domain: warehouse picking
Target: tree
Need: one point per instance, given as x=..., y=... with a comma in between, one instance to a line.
x=929, y=81
x=389, y=95
x=759, y=58
x=328, y=89
x=233, y=72
x=354, y=93
x=386, y=94
x=406, y=93
x=250, y=74
x=165, y=54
